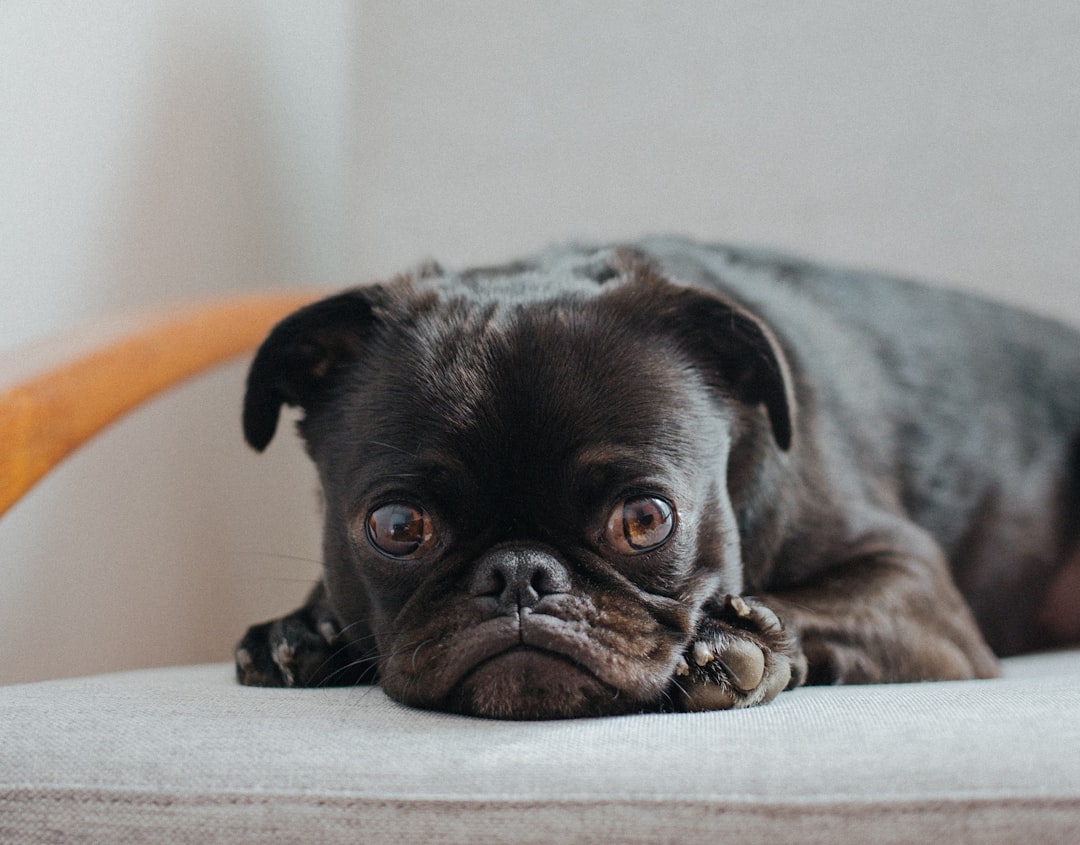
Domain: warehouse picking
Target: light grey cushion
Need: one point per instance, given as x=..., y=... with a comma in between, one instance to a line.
x=186, y=755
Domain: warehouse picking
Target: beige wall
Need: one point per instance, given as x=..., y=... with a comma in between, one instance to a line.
x=155, y=151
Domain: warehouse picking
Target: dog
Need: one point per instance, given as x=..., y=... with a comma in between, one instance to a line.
x=670, y=476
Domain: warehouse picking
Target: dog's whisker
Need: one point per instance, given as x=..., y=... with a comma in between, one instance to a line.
x=366, y=660
x=329, y=659
x=416, y=650
x=392, y=447
x=281, y=579
x=347, y=628
x=282, y=556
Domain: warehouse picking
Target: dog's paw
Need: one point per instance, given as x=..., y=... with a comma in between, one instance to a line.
x=740, y=656
x=298, y=650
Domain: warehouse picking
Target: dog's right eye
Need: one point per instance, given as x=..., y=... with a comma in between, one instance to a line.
x=400, y=530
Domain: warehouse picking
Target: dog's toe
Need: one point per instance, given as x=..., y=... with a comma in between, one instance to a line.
x=255, y=660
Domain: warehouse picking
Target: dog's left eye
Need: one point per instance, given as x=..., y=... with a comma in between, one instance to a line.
x=640, y=524
x=400, y=530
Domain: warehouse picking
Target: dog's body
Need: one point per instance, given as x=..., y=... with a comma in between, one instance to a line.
x=671, y=475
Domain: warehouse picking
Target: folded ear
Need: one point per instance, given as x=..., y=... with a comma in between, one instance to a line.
x=733, y=344
x=301, y=358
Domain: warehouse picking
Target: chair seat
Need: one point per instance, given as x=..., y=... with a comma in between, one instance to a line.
x=186, y=755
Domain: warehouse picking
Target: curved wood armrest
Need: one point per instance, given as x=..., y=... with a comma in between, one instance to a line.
x=50, y=411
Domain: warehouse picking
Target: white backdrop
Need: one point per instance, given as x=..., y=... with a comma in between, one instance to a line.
x=159, y=151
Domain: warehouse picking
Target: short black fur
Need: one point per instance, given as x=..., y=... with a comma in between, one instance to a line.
x=872, y=480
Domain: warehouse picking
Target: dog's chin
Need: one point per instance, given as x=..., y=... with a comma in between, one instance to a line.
x=528, y=683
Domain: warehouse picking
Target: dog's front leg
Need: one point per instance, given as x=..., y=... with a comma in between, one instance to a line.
x=886, y=611
x=304, y=649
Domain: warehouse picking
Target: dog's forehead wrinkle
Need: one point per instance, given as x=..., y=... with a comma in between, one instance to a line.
x=526, y=285
x=546, y=355
x=653, y=467
x=384, y=465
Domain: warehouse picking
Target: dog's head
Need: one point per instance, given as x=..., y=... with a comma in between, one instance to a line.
x=526, y=476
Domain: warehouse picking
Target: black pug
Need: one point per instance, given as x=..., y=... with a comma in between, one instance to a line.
x=671, y=476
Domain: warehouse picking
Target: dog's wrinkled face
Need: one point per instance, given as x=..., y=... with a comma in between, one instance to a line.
x=526, y=502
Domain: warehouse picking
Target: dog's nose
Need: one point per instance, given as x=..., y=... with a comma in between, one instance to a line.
x=519, y=578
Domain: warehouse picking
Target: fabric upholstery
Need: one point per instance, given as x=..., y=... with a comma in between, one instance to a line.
x=185, y=755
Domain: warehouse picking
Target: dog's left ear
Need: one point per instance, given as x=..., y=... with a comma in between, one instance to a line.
x=299, y=361
x=740, y=351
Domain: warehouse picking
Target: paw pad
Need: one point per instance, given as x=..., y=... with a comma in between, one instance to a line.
x=740, y=656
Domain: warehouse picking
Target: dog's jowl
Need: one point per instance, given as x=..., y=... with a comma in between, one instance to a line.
x=669, y=476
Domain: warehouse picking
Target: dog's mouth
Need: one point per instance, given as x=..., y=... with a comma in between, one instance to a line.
x=524, y=682
x=526, y=666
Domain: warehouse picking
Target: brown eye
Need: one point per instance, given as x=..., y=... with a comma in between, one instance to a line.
x=400, y=530
x=640, y=525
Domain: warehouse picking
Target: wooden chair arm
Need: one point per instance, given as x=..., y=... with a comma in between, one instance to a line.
x=47, y=411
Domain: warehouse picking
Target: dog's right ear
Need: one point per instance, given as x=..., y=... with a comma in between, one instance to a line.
x=302, y=357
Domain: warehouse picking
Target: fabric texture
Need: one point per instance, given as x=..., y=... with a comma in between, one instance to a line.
x=186, y=755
